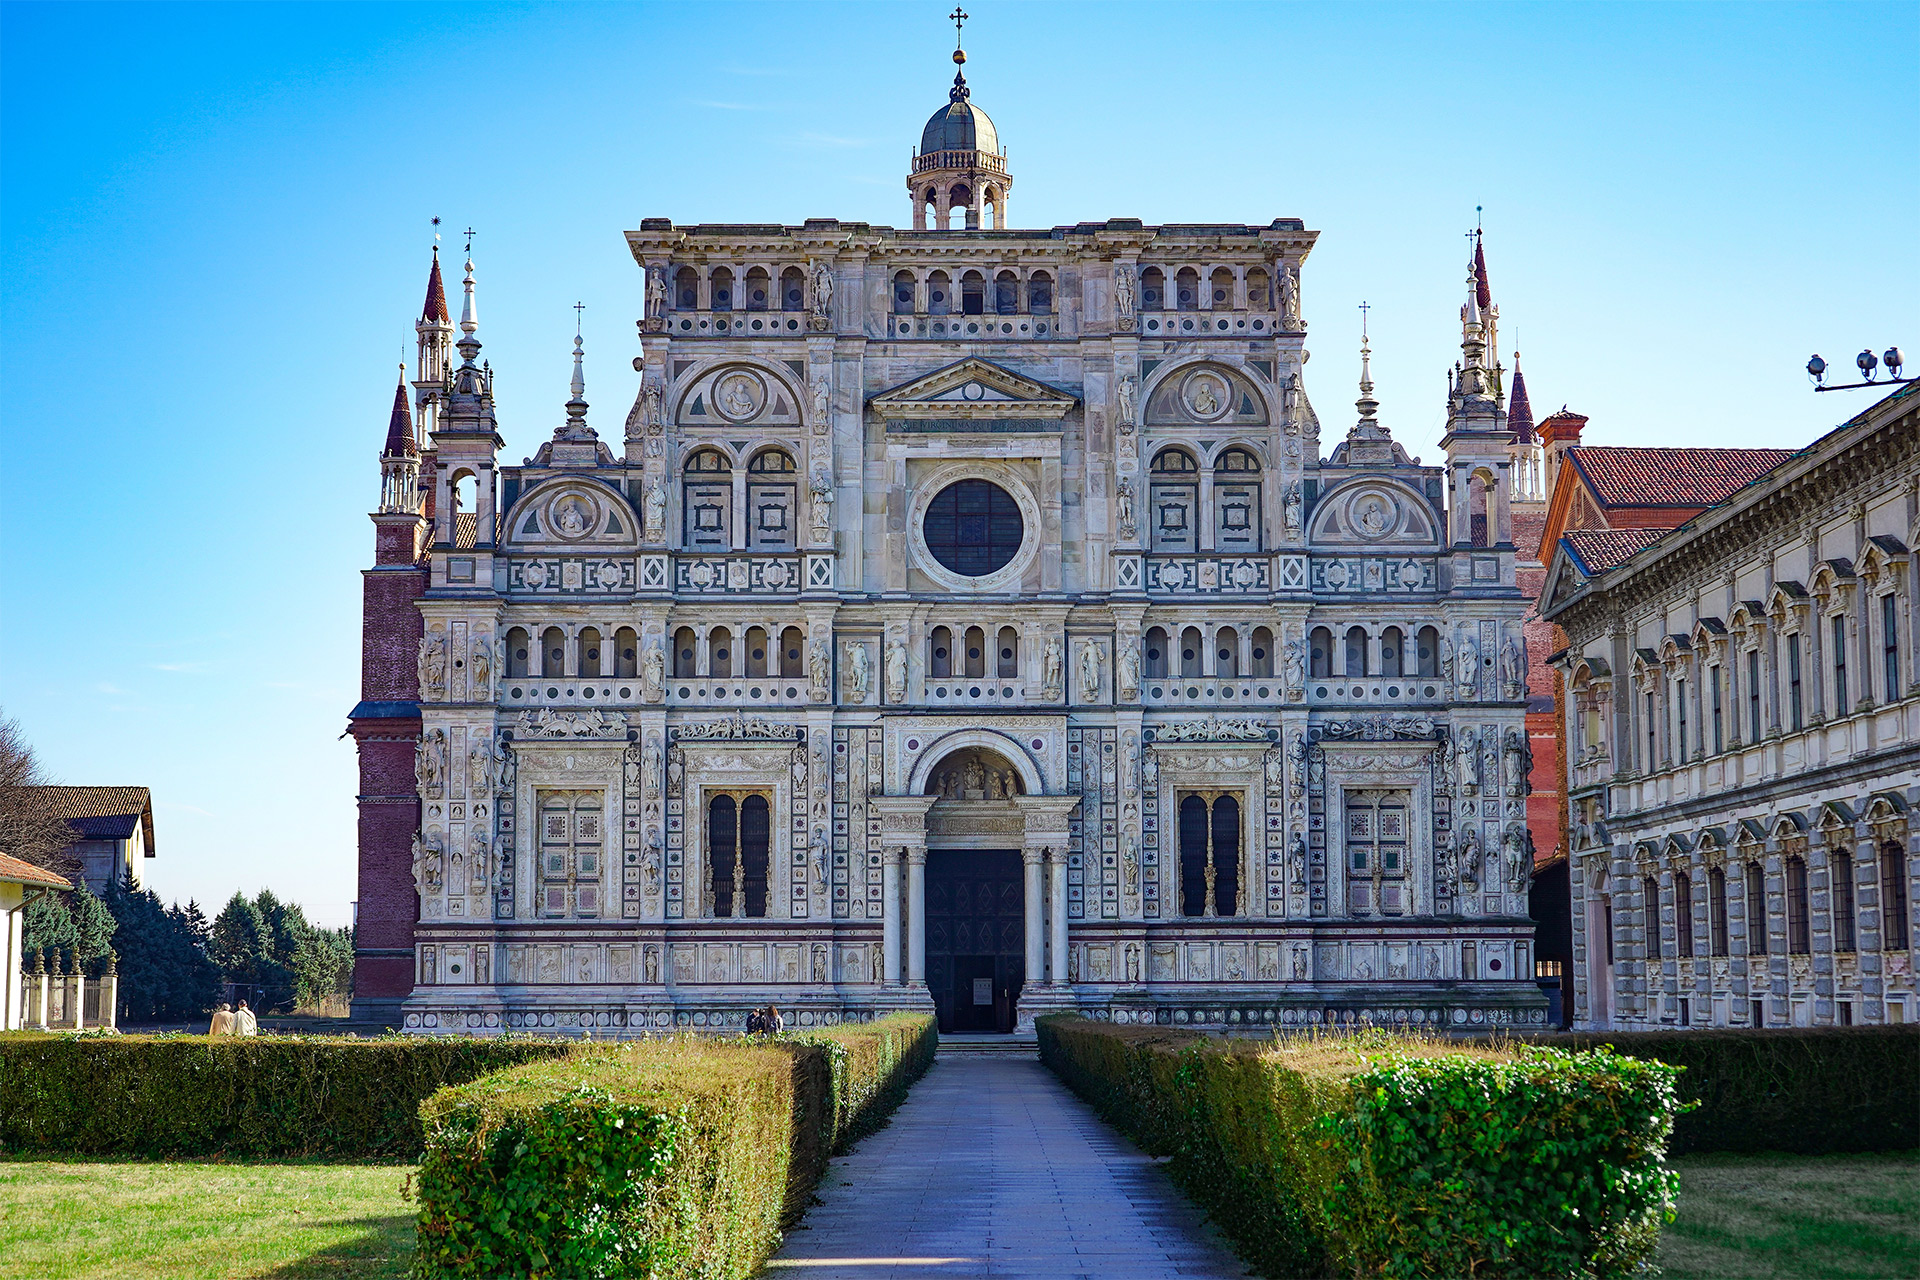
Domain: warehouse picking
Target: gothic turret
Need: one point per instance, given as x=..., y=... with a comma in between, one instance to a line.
x=1477, y=438
x=465, y=440
x=434, y=345
x=400, y=459
x=960, y=164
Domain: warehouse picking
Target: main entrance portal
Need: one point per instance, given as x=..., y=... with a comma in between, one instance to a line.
x=976, y=913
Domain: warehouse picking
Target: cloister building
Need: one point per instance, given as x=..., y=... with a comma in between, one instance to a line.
x=962, y=618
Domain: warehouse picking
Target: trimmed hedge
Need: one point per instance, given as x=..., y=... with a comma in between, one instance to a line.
x=1810, y=1090
x=1376, y=1153
x=679, y=1157
x=249, y=1097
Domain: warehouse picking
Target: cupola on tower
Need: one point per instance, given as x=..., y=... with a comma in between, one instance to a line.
x=960, y=166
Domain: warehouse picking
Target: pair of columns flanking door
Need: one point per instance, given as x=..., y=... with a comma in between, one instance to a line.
x=1043, y=855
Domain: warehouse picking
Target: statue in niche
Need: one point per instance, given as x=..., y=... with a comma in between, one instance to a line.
x=1130, y=864
x=1123, y=508
x=974, y=776
x=820, y=488
x=653, y=671
x=1372, y=517
x=896, y=671
x=1125, y=300
x=650, y=765
x=480, y=766
x=1287, y=276
x=1125, y=389
x=1050, y=662
x=1466, y=757
x=736, y=398
x=655, y=510
x=1512, y=669
x=1090, y=672
x=819, y=670
x=1299, y=860
x=1470, y=857
x=1295, y=666
x=1126, y=669
x=432, y=665
x=1290, y=400
x=817, y=852
x=478, y=862
x=656, y=419
x=822, y=405
x=1004, y=787
x=1299, y=964
x=571, y=517
x=430, y=763
x=426, y=862
x=676, y=770
x=1133, y=962
x=1206, y=400
x=480, y=670
x=1297, y=752
x=656, y=291
x=1515, y=759
x=1519, y=865
x=821, y=306
x=650, y=966
x=819, y=966
x=1149, y=769
x=1467, y=672
x=1290, y=519
x=859, y=679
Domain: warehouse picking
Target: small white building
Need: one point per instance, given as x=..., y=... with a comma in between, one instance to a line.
x=18, y=881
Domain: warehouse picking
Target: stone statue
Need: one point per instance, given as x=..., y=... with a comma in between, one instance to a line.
x=1446, y=866
x=819, y=671
x=1299, y=964
x=1133, y=962
x=973, y=777
x=426, y=862
x=1090, y=672
x=896, y=671
x=1123, y=508
x=1299, y=860
x=817, y=849
x=1149, y=770
x=1467, y=672
x=430, y=763
x=650, y=966
x=432, y=664
x=656, y=511
x=1514, y=774
x=822, y=405
x=1288, y=278
x=821, y=307
x=1291, y=517
x=676, y=770
x=1512, y=669
x=1446, y=658
x=1295, y=665
x=480, y=670
x=1124, y=298
x=1466, y=756
x=656, y=291
x=651, y=392
x=818, y=968
x=1126, y=669
x=650, y=766
x=1050, y=661
x=1470, y=856
x=859, y=679
x=820, y=487
x=1125, y=390
x=653, y=671
x=480, y=762
x=1519, y=865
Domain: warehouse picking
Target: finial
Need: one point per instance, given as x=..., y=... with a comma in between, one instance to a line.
x=1367, y=405
x=436, y=234
x=579, y=386
x=469, y=320
x=959, y=92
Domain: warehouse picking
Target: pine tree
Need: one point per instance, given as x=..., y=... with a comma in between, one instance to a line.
x=93, y=927
x=239, y=942
x=49, y=926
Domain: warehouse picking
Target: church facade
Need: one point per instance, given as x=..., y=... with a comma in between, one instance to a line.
x=965, y=619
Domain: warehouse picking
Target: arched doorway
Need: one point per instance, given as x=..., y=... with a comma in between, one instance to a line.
x=975, y=896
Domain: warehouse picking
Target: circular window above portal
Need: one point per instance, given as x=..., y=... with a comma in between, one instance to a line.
x=973, y=528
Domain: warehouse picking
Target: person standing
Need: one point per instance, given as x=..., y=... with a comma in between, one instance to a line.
x=222, y=1021
x=773, y=1023
x=244, y=1023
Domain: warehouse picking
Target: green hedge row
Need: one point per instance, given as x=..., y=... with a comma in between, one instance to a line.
x=1809, y=1090
x=679, y=1157
x=1382, y=1154
x=254, y=1096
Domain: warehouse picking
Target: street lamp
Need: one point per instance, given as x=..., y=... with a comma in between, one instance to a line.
x=1869, y=366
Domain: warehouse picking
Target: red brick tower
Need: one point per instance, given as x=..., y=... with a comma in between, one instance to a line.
x=386, y=721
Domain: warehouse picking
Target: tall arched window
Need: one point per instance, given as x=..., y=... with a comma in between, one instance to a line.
x=939, y=294
x=1717, y=910
x=1156, y=655
x=792, y=653
x=1236, y=501
x=1479, y=511
x=976, y=654
x=756, y=830
x=1320, y=654
x=518, y=655
x=1356, y=655
x=1175, y=497
x=553, y=652
x=1209, y=833
x=1893, y=896
x=772, y=492
x=1226, y=653
x=1186, y=289
x=1220, y=290
x=1650, y=904
x=973, y=293
x=1392, y=653
x=723, y=854
x=626, y=652
x=940, y=654
x=1840, y=871
x=1756, y=886
x=720, y=653
x=686, y=289
x=1428, y=651
x=706, y=508
x=1192, y=652
x=755, y=643
x=1683, y=914
x=684, y=653
x=1006, y=293
x=1009, y=653
x=1262, y=652
x=1799, y=909
x=588, y=647
x=1257, y=297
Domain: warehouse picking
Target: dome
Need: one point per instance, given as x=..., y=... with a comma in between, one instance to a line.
x=959, y=126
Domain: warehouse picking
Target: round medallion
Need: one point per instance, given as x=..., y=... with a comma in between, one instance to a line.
x=1373, y=515
x=1205, y=395
x=738, y=395
x=571, y=516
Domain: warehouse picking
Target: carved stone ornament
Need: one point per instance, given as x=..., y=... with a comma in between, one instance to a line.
x=819, y=671
x=1212, y=729
x=1125, y=296
x=820, y=303
x=738, y=727
x=1126, y=669
x=1380, y=728
x=859, y=677
x=896, y=671
x=653, y=672
x=433, y=666
x=544, y=722
x=430, y=763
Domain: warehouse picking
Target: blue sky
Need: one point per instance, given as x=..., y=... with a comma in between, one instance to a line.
x=214, y=235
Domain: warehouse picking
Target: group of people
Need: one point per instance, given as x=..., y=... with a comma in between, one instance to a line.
x=765, y=1022
x=232, y=1021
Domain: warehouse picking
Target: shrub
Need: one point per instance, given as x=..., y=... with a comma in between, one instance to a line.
x=254, y=1097
x=679, y=1157
x=1378, y=1153
x=1810, y=1090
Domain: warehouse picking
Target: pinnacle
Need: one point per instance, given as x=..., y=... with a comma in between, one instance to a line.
x=435, y=309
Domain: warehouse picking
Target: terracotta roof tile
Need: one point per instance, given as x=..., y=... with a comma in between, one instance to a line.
x=400, y=426
x=435, y=310
x=1483, y=292
x=1599, y=550
x=1630, y=477
x=1519, y=411
x=14, y=871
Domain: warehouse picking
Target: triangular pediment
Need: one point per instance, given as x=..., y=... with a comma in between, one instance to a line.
x=973, y=389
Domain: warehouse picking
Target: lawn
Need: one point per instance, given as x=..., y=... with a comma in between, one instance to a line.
x=60, y=1219
x=1811, y=1217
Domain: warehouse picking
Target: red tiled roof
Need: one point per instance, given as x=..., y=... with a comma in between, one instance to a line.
x=435, y=309
x=400, y=426
x=14, y=871
x=1632, y=477
x=1599, y=550
x=1519, y=412
x=1483, y=291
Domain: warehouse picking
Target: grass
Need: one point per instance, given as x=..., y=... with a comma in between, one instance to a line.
x=127, y=1219
x=1851, y=1217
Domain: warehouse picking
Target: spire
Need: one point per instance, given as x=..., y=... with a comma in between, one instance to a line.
x=1367, y=405
x=400, y=425
x=468, y=321
x=1519, y=411
x=1482, y=292
x=435, y=309
x=576, y=428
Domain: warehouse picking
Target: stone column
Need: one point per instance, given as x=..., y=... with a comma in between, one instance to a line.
x=890, y=915
x=1057, y=916
x=916, y=915
x=1034, y=970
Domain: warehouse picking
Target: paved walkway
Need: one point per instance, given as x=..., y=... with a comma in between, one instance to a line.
x=992, y=1168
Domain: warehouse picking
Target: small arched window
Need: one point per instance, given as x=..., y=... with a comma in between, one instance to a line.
x=1009, y=653
x=553, y=652
x=1392, y=653
x=1153, y=290
x=1156, y=655
x=626, y=652
x=759, y=288
x=720, y=653
x=1262, y=652
x=1226, y=653
x=517, y=652
x=976, y=654
x=792, y=653
x=707, y=501
x=1192, y=652
x=1257, y=298
x=1040, y=293
x=940, y=654
x=1320, y=654
x=686, y=289
x=1356, y=652
x=1186, y=289
x=973, y=293
x=903, y=293
x=685, y=653
x=755, y=643
x=1427, y=651
x=588, y=647
x=939, y=294
x=793, y=290
x=1006, y=293
x=720, y=287
x=1220, y=290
